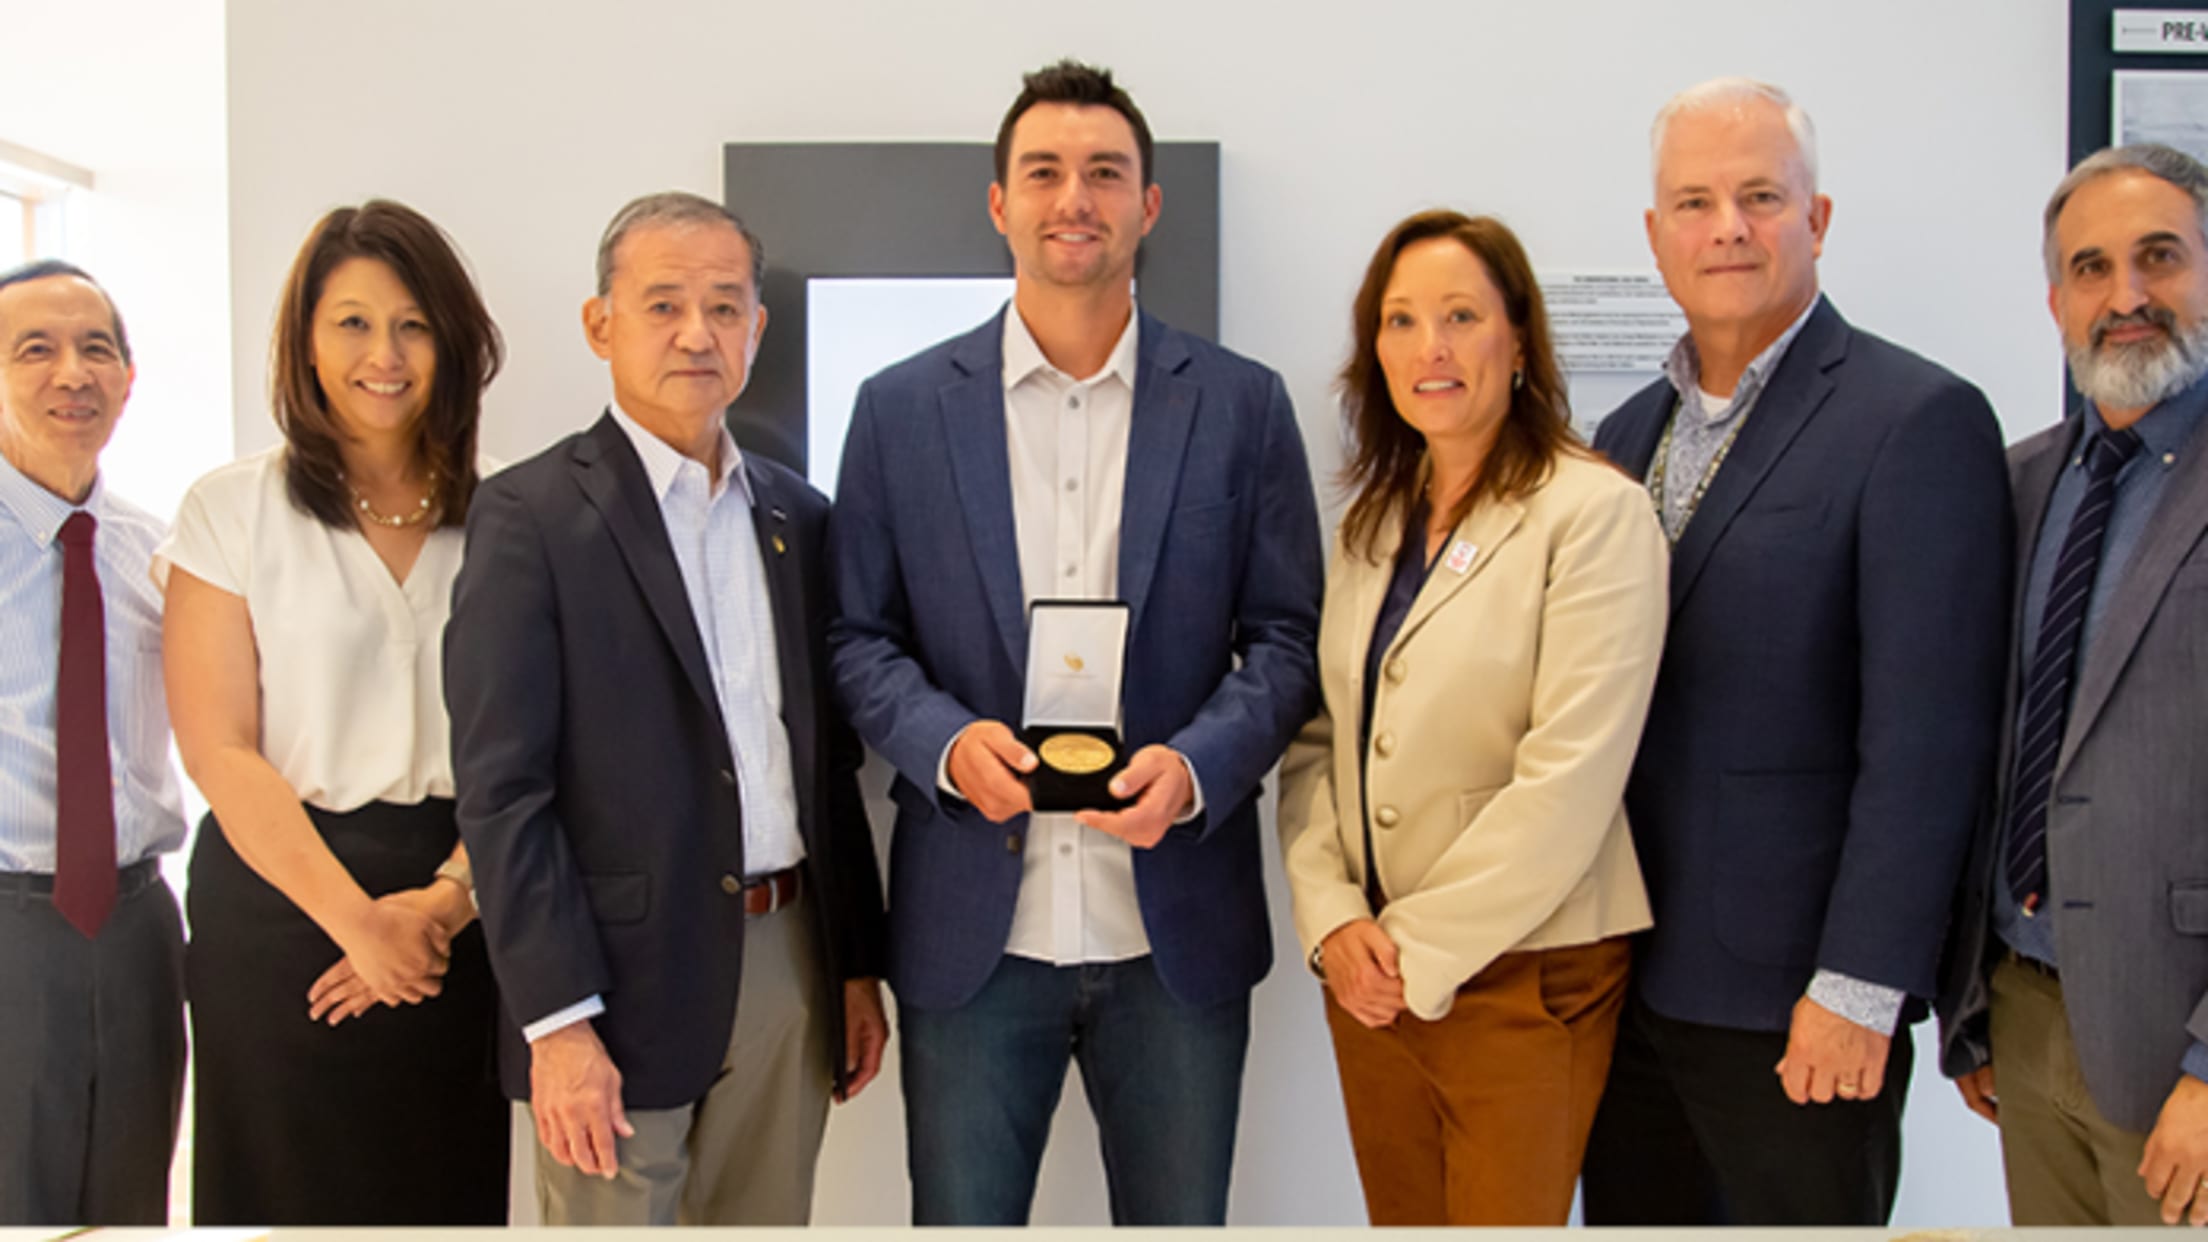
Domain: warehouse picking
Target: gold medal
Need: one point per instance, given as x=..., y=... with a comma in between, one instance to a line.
x=1076, y=753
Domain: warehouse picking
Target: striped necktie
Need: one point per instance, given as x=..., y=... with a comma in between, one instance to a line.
x=2054, y=665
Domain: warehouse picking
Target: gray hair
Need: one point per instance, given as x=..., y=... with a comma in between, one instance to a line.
x=2151, y=158
x=1723, y=92
x=674, y=207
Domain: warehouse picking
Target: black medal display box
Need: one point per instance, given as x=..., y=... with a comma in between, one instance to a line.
x=1074, y=767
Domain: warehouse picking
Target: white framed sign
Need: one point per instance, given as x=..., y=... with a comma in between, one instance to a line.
x=2160, y=30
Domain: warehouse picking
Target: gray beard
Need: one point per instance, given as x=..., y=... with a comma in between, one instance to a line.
x=2134, y=377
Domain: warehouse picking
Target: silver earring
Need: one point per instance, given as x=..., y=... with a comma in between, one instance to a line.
x=1518, y=379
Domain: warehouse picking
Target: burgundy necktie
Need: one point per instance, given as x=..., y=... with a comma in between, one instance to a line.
x=84, y=868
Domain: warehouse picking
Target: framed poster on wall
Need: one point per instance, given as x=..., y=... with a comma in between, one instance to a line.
x=2169, y=106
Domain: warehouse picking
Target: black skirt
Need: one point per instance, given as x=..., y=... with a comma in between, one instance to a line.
x=390, y=1118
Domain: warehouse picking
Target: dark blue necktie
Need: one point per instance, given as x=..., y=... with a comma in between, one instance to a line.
x=2054, y=665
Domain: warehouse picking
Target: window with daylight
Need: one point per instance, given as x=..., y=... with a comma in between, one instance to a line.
x=34, y=204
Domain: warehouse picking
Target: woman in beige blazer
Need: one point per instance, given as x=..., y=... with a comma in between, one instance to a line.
x=1452, y=821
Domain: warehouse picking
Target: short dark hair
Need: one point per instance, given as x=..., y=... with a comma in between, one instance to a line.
x=47, y=269
x=1071, y=82
x=1386, y=455
x=675, y=207
x=469, y=351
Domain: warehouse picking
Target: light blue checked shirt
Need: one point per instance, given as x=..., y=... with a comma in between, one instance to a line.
x=149, y=809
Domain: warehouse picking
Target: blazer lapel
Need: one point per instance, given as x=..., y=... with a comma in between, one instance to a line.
x=1795, y=393
x=1485, y=528
x=2031, y=482
x=781, y=559
x=1640, y=426
x=981, y=472
x=1365, y=581
x=1157, y=439
x=2032, y=485
x=613, y=480
x=2175, y=528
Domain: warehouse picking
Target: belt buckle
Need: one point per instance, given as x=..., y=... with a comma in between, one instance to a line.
x=770, y=886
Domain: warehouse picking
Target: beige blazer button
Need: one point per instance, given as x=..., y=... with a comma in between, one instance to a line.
x=731, y=885
x=1397, y=670
x=1386, y=817
x=1384, y=744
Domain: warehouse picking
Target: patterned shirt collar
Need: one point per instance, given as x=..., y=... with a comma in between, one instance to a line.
x=1684, y=369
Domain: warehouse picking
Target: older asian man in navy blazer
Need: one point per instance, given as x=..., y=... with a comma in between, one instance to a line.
x=1822, y=733
x=677, y=879
x=2076, y=1012
x=1073, y=446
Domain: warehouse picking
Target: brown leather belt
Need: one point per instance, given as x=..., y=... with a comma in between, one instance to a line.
x=765, y=894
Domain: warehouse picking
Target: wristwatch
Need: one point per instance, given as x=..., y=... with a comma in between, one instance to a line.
x=459, y=872
x=1318, y=960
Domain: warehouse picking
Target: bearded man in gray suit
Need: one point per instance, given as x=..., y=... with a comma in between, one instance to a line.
x=2081, y=949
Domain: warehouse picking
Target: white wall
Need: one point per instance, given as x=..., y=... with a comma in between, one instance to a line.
x=132, y=90
x=520, y=127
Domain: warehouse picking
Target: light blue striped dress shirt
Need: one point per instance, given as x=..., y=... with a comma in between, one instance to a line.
x=149, y=808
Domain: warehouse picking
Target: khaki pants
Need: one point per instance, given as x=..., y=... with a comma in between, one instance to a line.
x=744, y=1154
x=1481, y=1118
x=2065, y=1163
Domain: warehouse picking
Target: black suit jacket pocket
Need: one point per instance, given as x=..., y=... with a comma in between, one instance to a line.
x=1203, y=520
x=1784, y=520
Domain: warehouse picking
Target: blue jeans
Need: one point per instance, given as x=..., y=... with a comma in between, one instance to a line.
x=1163, y=1079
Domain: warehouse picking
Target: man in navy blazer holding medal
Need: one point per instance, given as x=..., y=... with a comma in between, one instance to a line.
x=1822, y=734
x=1074, y=447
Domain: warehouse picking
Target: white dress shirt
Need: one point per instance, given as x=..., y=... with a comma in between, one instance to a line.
x=709, y=523
x=352, y=660
x=1068, y=444
x=149, y=809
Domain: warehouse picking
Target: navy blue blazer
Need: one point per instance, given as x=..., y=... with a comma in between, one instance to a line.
x=597, y=794
x=1821, y=742
x=1219, y=559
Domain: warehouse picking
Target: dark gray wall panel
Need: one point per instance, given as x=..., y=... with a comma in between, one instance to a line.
x=886, y=209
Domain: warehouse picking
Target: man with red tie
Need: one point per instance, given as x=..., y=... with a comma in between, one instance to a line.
x=91, y=946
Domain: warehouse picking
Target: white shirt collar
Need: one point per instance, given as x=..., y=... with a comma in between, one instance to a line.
x=39, y=511
x=662, y=463
x=1023, y=357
